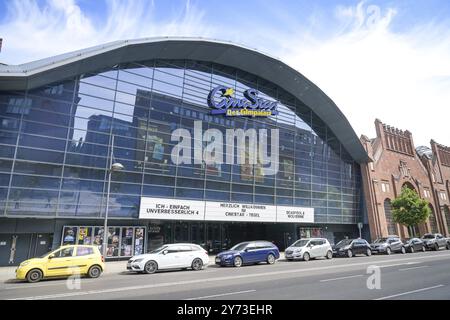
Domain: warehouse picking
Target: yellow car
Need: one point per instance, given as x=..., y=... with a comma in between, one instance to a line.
x=65, y=261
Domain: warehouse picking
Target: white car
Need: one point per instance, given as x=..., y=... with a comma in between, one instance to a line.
x=307, y=249
x=170, y=256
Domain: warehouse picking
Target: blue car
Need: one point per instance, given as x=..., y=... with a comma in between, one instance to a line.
x=251, y=252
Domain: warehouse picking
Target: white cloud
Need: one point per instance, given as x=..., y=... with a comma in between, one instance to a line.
x=372, y=72
x=369, y=70
x=33, y=32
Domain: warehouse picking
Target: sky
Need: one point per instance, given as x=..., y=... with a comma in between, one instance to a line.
x=375, y=59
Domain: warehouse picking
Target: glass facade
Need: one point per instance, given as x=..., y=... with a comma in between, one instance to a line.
x=55, y=140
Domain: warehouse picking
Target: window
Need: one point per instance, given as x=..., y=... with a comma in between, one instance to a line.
x=443, y=195
x=66, y=252
x=19, y=105
x=84, y=251
x=427, y=193
x=385, y=187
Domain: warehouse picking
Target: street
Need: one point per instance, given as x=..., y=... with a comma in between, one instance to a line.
x=409, y=276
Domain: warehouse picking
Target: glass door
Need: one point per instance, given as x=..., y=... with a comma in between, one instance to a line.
x=198, y=234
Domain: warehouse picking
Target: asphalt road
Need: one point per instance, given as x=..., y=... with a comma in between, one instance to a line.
x=410, y=276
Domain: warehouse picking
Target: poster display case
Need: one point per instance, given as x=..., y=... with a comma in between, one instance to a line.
x=123, y=241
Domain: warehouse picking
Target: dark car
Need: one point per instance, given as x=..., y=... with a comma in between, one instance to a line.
x=251, y=252
x=388, y=245
x=414, y=245
x=435, y=241
x=351, y=247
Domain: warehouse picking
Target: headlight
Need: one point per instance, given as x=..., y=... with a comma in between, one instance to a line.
x=23, y=264
x=137, y=260
x=228, y=256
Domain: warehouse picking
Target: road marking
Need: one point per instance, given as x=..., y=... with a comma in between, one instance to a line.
x=413, y=268
x=341, y=278
x=235, y=277
x=399, y=264
x=222, y=295
x=410, y=292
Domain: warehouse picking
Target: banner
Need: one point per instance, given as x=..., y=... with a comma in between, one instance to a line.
x=295, y=214
x=175, y=209
x=171, y=209
x=225, y=211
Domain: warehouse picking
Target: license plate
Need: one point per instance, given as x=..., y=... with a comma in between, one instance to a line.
x=217, y=259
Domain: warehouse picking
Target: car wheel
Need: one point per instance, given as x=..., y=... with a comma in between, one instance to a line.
x=270, y=259
x=150, y=267
x=403, y=250
x=94, y=272
x=349, y=253
x=306, y=256
x=329, y=255
x=388, y=251
x=237, y=262
x=197, y=264
x=368, y=252
x=436, y=247
x=448, y=246
x=34, y=275
x=411, y=249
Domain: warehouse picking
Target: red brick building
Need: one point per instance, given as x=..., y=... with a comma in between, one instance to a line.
x=397, y=164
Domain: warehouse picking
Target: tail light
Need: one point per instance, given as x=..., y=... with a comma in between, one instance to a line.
x=103, y=259
x=206, y=252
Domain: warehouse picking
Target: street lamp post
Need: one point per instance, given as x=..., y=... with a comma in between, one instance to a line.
x=111, y=167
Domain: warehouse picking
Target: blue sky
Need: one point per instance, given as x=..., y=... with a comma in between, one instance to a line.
x=375, y=59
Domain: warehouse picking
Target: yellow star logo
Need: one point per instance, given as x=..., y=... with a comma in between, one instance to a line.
x=229, y=92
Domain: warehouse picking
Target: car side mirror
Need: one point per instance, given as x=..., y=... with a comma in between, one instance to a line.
x=246, y=250
x=51, y=256
x=165, y=252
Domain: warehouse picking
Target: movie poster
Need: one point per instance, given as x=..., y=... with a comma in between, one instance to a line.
x=139, y=241
x=69, y=235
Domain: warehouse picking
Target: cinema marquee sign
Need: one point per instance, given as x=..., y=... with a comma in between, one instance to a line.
x=222, y=100
x=175, y=209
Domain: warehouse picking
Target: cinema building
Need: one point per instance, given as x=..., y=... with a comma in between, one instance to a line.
x=58, y=117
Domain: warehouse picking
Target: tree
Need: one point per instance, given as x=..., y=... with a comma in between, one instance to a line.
x=409, y=209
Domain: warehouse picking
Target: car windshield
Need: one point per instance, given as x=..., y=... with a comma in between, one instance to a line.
x=44, y=255
x=240, y=246
x=300, y=243
x=428, y=236
x=381, y=240
x=158, y=250
x=344, y=243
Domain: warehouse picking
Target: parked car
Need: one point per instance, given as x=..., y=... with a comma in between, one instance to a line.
x=251, y=252
x=388, y=245
x=414, y=245
x=351, y=247
x=435, y=241
x=64, y=261
x=170, y=256
x=306, y=249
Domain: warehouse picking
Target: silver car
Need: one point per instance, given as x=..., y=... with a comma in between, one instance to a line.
x=306, y=249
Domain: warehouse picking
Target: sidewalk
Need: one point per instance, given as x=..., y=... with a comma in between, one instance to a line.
x=7, y=274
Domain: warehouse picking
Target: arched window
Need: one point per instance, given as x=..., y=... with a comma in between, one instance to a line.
x=432, y=219
x=447, y=216
x=409, y=186
x=388, y=214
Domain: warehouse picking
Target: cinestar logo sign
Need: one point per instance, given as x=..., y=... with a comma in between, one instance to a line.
x=222, y=100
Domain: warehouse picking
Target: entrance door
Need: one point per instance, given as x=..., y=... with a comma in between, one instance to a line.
x=20, y=248
x=214, y=240
x=5, y=248
x=41, y=244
